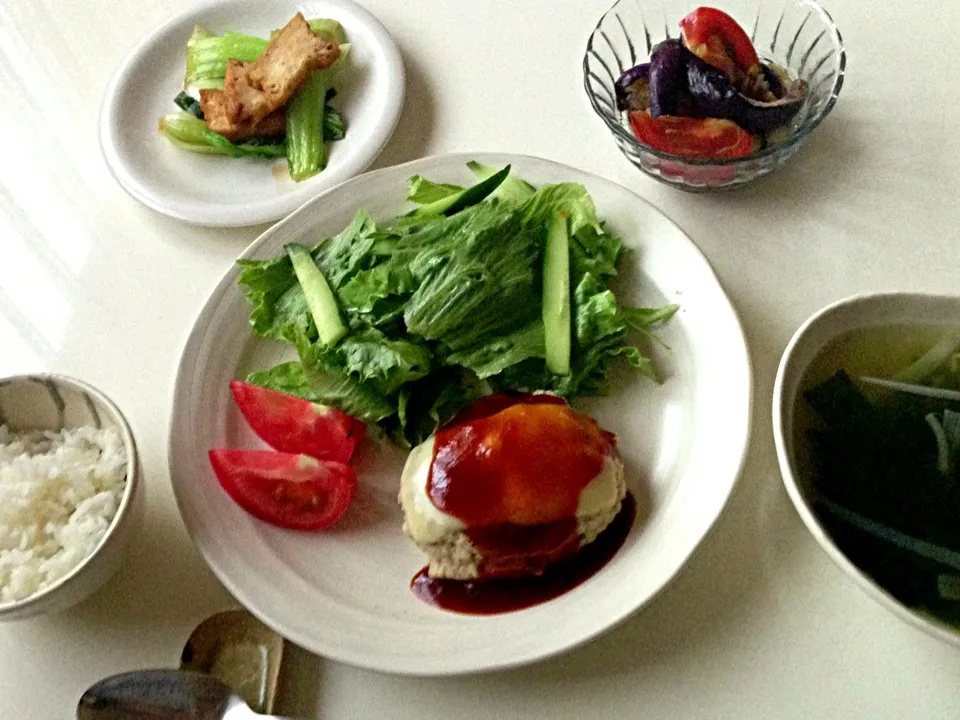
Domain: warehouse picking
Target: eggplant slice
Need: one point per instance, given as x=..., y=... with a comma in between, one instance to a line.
x=667, y=77
x=712, y=95
x=677, y=82
x=632, y=89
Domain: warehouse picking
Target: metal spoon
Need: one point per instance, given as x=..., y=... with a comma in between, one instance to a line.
x=237, y=648
x=164, y=695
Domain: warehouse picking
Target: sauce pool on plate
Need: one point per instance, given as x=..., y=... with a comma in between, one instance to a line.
x=501, y=595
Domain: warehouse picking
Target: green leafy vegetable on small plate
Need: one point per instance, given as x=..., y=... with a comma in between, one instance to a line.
x=311, y=122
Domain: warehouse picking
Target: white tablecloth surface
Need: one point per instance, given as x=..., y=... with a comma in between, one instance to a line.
x=760, y=625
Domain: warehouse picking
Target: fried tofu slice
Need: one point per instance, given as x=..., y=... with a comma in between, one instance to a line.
x=243, y=103
x=214, y=106
x=256, y=89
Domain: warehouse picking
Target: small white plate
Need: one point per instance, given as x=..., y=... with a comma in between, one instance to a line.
x=344, y=593
x=231, y=192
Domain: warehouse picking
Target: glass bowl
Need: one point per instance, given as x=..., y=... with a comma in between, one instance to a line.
x=798, y=35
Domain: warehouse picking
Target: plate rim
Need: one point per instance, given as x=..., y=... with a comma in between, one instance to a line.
x=208, y=215
x=227, y=281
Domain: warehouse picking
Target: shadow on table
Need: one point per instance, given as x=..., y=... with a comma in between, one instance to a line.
x=411, y=139
x=832, y=161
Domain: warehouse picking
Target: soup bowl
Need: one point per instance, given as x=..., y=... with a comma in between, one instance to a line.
x=803, y=357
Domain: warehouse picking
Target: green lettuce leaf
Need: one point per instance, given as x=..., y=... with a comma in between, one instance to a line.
x=378, y=294
x=600, y=332
x=478, y=277
x=443, y=308
x=594, y=251
x=512, y=190
x=495, y=355
x=381, y=363
x=286, y=378
x=599, y=336
x=643, y=319
x=343, y=256
x=333, y=386
x=279, y=309
x=428, y=404
x=422, y=191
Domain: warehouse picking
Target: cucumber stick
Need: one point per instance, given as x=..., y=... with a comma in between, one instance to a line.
x=512, y=189
x=452, y=204
x=556, y=295
x=320, y=298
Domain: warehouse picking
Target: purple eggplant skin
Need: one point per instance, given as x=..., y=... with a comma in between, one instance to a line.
x=773, y=80
x=632, y=88
x=667, y=77
x=712, y=95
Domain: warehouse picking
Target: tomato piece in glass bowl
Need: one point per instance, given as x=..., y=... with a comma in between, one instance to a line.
x=288, y=490
x=717, y=38
x=691, y=137
x=293, y=425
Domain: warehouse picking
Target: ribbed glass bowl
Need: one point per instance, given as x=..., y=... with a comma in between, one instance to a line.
x=798, y=35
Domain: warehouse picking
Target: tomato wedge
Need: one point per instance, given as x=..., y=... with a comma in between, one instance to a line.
x=691, y=137
x=290, y=491
x=716, y=37
x=294, y=425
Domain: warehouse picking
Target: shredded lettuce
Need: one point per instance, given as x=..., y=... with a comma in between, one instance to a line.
x=442, y=308
x=424, y=192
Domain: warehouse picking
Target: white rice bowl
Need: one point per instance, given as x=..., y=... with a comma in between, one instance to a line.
x=59, y=492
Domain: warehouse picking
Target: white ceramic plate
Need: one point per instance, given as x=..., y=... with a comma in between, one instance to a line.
x=231, y=192
x=345, y=593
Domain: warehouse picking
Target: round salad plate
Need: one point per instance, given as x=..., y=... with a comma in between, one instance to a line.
x=216, y=190
x=344, y=593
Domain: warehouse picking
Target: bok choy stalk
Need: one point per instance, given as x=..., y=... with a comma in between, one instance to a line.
x=306, y=148
x=208, y=54
x=191, y=133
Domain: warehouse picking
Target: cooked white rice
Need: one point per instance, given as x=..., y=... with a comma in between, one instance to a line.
x=58, y=493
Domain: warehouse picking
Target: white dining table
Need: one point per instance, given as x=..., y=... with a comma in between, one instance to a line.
x=760, y=624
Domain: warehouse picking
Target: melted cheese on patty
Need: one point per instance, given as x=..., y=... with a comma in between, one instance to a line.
x=426, y=524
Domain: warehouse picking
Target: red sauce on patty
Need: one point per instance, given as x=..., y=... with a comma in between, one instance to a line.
x=500, y=595
x=516, y=460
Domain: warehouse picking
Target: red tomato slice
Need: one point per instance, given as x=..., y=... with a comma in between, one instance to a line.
x=716, y=37
x=286, y=490
x=691, y=137
x=294, y=425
